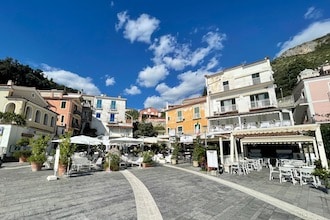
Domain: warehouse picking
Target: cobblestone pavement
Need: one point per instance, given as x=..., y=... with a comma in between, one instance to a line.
x=179, y=195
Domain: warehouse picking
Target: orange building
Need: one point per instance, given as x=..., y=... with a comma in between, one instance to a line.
x=68, y=107
x=187, y=120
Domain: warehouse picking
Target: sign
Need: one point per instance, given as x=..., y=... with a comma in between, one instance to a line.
x=212, y=158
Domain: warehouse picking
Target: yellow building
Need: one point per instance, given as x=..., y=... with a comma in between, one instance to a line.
x=187, y=120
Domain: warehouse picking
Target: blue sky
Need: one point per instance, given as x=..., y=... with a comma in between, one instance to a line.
x=152, y=52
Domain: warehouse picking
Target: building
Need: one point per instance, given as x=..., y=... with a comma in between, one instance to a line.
x=312, y=96
x=186, y=121
x=68, y=107
x=245, y=119
x=109, y=117
x=153, y=116
x=28, y=102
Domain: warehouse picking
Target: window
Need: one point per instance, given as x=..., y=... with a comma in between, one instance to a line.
x=196, y=112
x=228, y=105
x=37, y=116
x=52, y=122
x=113, y=105
x=225, y=85
x=179, y=116
x=112, y=118
x=99, y=103
x=180, y=130
x=255, y=78
x=98, y=115
x=62, y=120
x=197, y=129
x=63, y=104
x=28, y=113
x=260, y=100
x=45, y=119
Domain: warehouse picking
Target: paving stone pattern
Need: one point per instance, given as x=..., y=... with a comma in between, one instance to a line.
x=179, y=195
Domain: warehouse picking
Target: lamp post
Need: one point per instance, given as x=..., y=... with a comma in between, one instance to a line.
x=205, y=129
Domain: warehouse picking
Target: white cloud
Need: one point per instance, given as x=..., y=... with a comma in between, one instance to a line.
x=150, y=76
x=122, y=17
x=70, y=79
x=140, y=29
x=313, y=13
x=313, y=31
x=191, y=85
x=110, y=81
x=133, y=90
x=179, y=56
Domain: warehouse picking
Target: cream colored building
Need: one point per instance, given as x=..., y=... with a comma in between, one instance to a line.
x=25, y=101
x=242, y=107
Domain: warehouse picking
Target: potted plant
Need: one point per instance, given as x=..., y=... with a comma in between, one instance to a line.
x=198, y=154
x=66, y=151
x=22, y=155
x=24, y=152
x=38, y=154
x=147, y=159
x=322, y=174
x=175, y=153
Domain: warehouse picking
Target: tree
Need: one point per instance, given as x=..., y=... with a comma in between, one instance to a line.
x=133, y=113
x=145, y=129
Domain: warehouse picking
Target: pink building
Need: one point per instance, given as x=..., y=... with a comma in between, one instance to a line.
x=312, y=96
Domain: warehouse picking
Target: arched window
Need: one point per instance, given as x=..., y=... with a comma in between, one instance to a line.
x=45, y=119
x=28, y=113
x=52, y=121
x=37, y=116
x=10, y=107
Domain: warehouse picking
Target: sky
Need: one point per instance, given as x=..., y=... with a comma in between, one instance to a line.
x=152, y=53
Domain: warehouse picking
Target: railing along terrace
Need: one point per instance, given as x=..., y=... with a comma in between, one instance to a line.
x=260, y=103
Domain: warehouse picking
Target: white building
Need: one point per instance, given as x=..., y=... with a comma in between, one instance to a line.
x=245, y=118
x=109, y=117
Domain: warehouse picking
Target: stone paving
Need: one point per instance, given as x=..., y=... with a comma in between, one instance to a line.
x=179, y=195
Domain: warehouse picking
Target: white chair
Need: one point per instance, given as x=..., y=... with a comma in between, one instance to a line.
x=286, y=173
x=306, y=175
x=272, y=171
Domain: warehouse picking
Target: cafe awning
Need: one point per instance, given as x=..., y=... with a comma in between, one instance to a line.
x=289, y=139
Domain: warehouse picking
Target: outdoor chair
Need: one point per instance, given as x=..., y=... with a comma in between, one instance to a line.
x=80, y=163
x=306, y=176
x=286, y=174
x=272, y=171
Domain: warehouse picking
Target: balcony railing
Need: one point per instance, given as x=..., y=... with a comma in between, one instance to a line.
x=228, y=108
x=264, y=103
x=249, y=125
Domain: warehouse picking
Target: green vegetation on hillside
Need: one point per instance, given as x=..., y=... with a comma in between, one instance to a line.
x=286, y=69
x=24, y=75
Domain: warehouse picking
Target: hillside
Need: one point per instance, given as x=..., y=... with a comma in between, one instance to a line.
x=23, y=75
x=309, y=55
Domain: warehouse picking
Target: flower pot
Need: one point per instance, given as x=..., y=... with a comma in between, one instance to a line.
x=22, y=159
x=195, y=163
x=61, y=169
x=36, y=166
x=174, y=161
x=145, y=165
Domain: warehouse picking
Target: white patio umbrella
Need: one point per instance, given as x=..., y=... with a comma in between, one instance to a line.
x=82, y=139
x=126, y=140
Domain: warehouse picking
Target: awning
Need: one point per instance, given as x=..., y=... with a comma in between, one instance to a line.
x=277, y=139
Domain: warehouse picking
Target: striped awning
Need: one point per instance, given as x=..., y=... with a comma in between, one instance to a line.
x=278, y=139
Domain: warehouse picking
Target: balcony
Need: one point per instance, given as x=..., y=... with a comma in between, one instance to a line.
x=179, y=119
x=228, y=108
x=264, y=103
x=110, y=109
